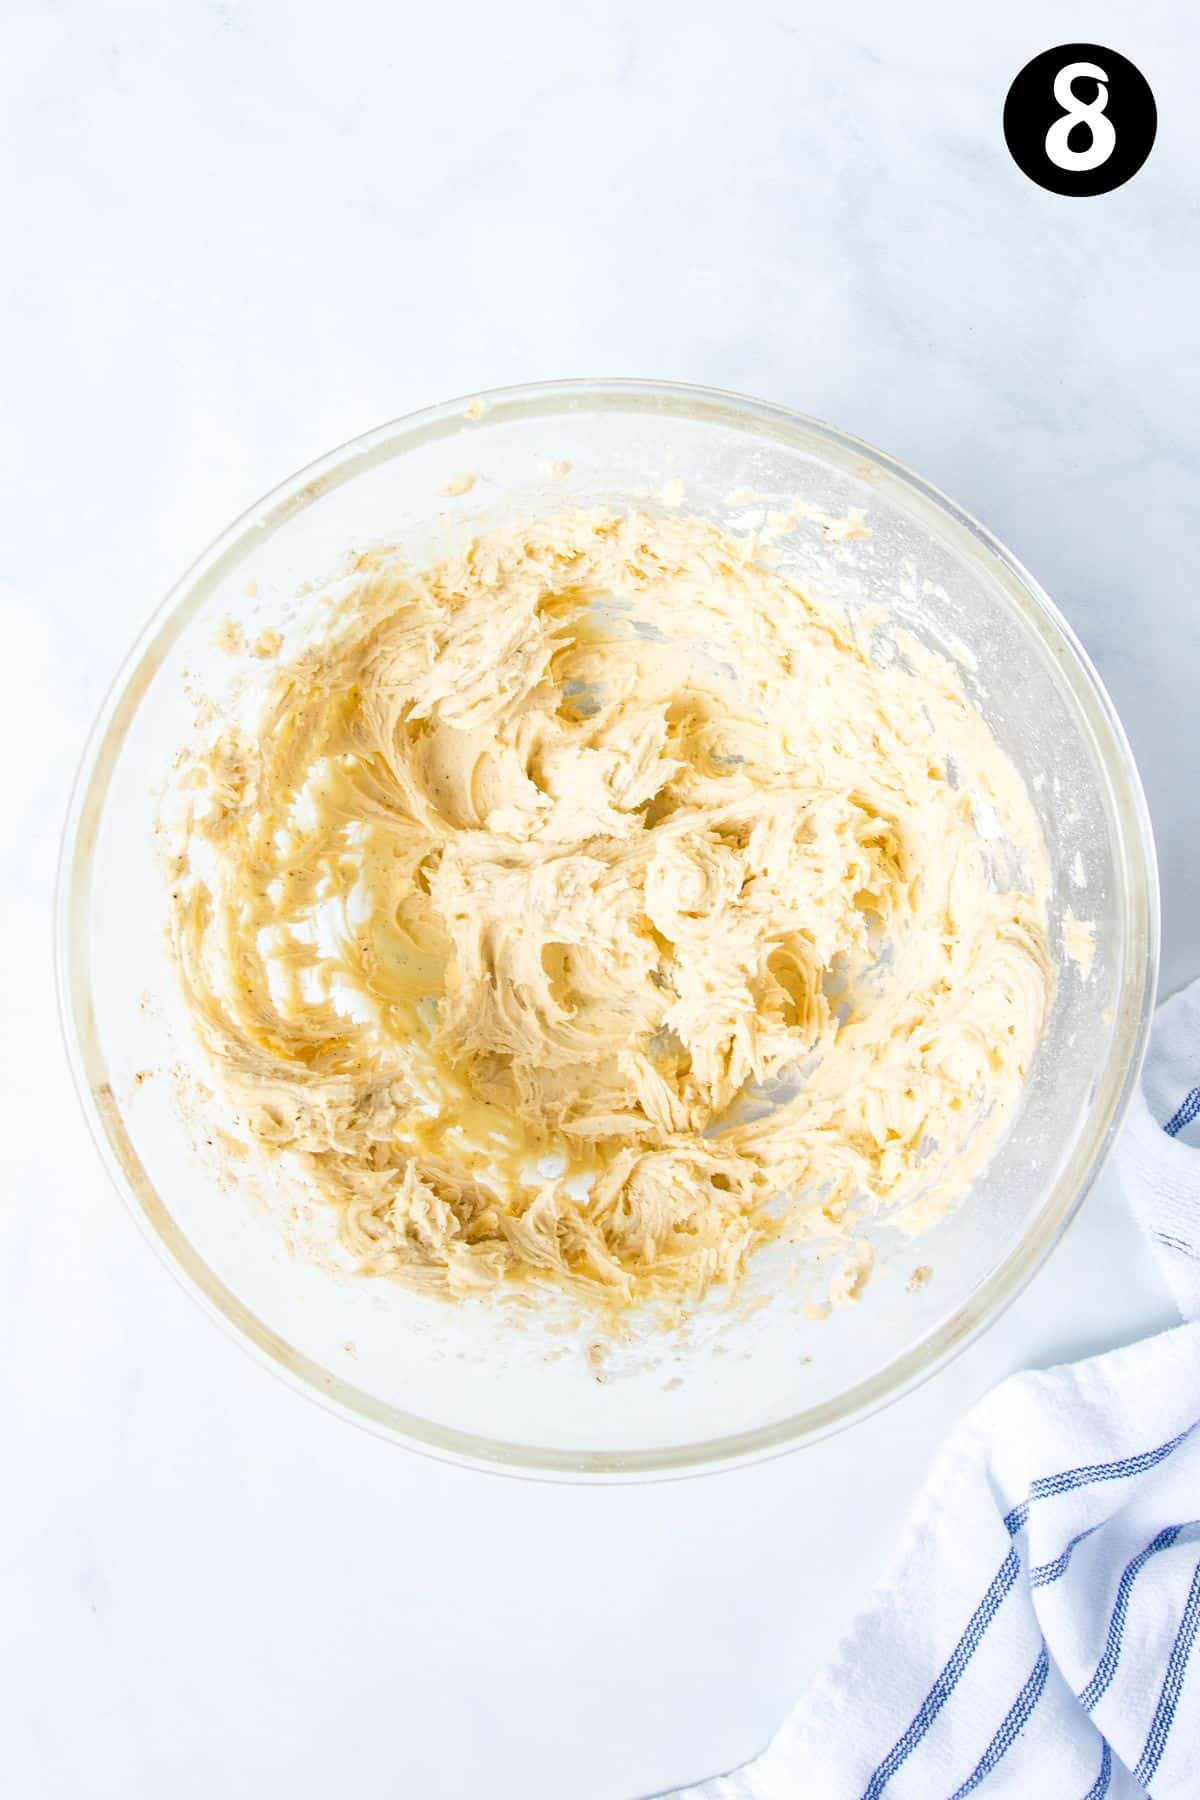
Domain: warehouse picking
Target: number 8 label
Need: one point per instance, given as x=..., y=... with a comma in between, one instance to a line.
x=1102, y=138
x=1070, y=145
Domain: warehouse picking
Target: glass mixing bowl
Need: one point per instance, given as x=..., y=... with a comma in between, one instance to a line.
x=445, y=1380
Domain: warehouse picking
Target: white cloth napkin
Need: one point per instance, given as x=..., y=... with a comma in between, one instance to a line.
x=1158, y=1152
x=1036, y=1636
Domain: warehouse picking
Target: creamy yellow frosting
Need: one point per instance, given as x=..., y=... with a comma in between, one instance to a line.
x=594, y=905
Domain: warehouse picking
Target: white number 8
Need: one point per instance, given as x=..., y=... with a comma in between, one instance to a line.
x=1103, y=139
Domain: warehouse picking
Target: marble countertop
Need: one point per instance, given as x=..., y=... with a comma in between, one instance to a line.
x=236, y=234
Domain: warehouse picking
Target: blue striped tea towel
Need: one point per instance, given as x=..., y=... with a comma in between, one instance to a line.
x=1036, y=1636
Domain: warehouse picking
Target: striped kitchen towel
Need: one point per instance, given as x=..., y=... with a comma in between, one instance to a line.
x=1158, y=1152
x=1036, y=1637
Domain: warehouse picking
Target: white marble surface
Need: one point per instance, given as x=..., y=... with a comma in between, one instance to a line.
x=237, y=234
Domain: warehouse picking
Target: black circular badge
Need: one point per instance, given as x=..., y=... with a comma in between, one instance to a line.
x=1080, y=119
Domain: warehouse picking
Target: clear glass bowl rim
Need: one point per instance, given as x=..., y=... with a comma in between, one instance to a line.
x=1047, y=1220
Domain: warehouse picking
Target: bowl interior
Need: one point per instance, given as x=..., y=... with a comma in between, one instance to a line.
x=458, y=1381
